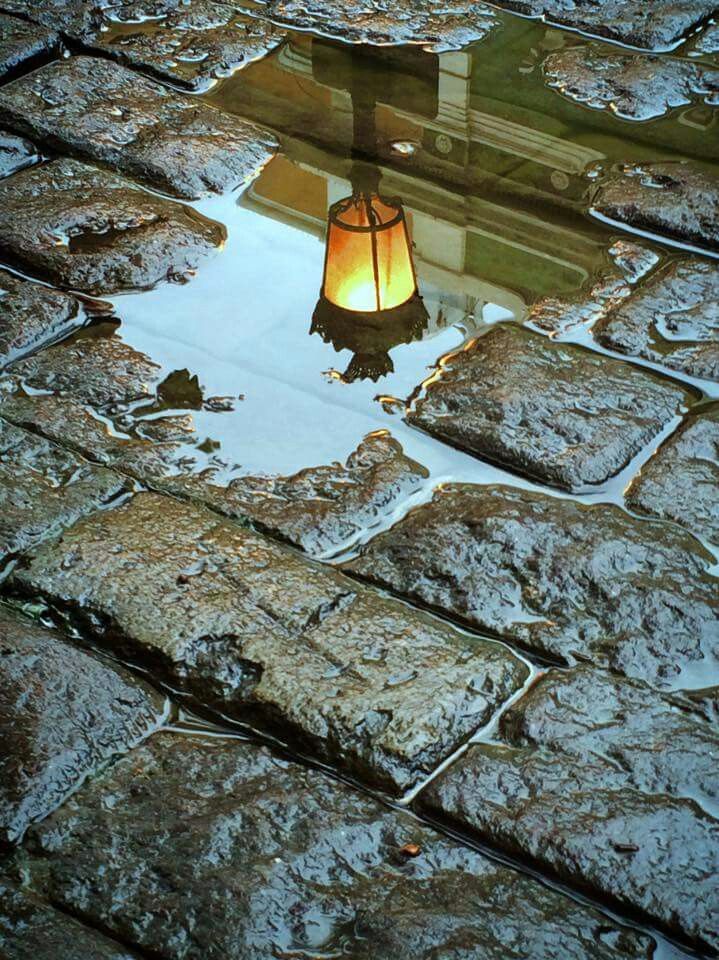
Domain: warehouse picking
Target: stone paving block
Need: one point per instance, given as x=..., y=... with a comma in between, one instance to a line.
x=632, y=86
x=287, y=862
x=670, y=199
x=256, y=632
x=319, y=508
x=708, y=41
x=436, y=27
x=90, y=230
x=650, y=853
x=673, y=319
x=568, y=582
x=31, y=315
x=63, y=714
x=16, y=153
x=188, y=43
x=652, y=24
x=21, y=41
x=77, y=18
x=681, y=482
x=94, y=368
x=557, y=412
x=32, y=930
x=629, y=263
x=589, y=714
x=634, y=260
x=560, y=314
x=43, y=488
x=705, y=701
x=98, y=109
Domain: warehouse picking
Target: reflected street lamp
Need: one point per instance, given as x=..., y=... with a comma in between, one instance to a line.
x=369, y=279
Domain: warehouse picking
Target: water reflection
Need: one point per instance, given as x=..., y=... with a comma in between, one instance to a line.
x=370, y=299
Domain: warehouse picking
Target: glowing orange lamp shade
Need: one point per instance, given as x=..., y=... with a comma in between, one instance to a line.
x=368, y=263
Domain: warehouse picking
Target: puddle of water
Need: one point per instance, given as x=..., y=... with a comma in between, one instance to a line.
x=495, y=171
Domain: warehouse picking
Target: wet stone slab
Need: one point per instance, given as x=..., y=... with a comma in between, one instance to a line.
x=31, y=315
x=629, y=262
x=568, y=582
x=43, y=488
x=63, y=714
x=708, y=42
x=21, y=41
x=98, y=109
x=559, y=413
x=320, y=508
x=673, y=319
x=254, y=631
x=673, y=200
x=437, y=27
x=589, y=821
x=94, y=368
x=30, y=929
x=89, y=230
x=589, y=714
x=77, y=18
x=287, y=862
x=632, y=86
x=16, y=153
x=651, y=24
x=188, y=43
x=681, y=482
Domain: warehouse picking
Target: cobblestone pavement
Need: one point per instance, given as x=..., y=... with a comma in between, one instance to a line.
x=421, y=664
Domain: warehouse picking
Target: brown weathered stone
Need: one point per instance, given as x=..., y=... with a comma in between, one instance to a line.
x=557, y=412
x=16, y=153
x=652, y=24
x=31, y=315
x=32, y=930
x=673, y=320
x=255, y=631
x=21, y=41
x=671, y=199
x=63, y=714
x=98, y=109
x=587, y=713
x=44, y=488
x=567, y=581
x=90, y=230
x=435, y=27
x=288, y=862
x=190, y=43
x=681, y=482
x=633, y=86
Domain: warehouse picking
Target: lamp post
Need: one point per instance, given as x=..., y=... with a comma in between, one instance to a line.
x=369, y=279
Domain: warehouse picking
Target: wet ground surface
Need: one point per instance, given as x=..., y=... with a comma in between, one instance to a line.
x=371, y=635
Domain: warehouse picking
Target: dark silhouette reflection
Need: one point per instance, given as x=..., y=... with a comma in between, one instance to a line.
x=406, y=78
x=180, y=390
x=370, y=336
